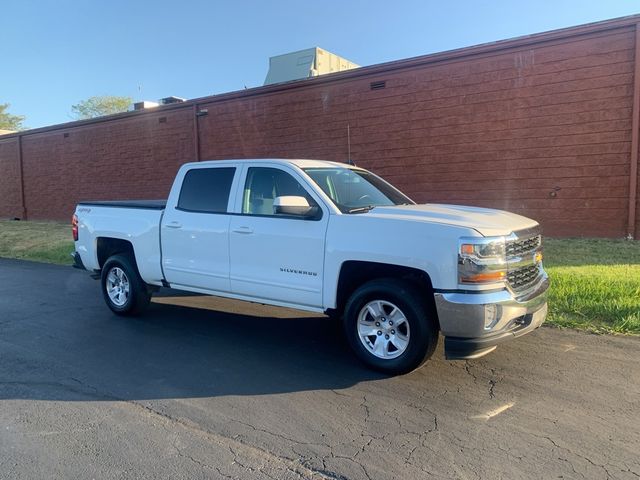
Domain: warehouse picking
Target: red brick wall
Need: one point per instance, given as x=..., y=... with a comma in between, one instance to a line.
x=542, y=129
x=516, y=127
x=10, y=196
x=126, y=159
x=637, y=236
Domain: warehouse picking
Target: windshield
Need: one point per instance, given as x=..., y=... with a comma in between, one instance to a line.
x=355, y=191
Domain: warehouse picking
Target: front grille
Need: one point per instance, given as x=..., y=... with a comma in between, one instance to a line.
x=517, y=248
x=521, y=278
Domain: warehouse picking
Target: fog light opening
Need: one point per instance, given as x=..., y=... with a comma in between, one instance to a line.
x=491, y=315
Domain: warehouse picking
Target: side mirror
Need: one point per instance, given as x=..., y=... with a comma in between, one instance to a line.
x=292, y=205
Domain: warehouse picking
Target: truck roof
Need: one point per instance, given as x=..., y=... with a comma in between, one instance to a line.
x=299, y=162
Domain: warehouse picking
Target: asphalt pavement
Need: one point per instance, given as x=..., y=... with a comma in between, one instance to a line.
x=235, y=390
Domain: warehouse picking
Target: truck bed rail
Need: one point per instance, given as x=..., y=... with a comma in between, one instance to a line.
x=144, y=204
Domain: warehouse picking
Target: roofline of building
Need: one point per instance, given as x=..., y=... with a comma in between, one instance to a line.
x=316, y=48
x=480, y=50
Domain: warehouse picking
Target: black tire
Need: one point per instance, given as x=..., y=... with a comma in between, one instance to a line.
x=416, y=309
x=138, y=296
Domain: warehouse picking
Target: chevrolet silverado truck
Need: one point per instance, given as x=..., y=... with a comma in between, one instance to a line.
x=325, y=237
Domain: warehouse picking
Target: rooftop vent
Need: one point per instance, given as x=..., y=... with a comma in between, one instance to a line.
x=144, y=104
x=305, y=64
x=170, y=100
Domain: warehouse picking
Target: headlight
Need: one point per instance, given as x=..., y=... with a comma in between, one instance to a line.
x=482, y=260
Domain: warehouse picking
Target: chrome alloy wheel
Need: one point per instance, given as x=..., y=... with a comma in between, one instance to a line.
x=118, y=286
x=383, y=329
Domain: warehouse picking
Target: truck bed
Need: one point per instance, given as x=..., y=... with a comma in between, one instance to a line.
x=143, y=204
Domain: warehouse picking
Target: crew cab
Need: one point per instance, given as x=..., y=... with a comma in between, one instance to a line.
x=325, y=237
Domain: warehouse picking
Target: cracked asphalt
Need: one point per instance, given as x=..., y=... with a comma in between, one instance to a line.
x=233, y=390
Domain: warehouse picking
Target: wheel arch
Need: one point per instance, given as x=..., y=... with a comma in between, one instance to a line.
x=354, y=273
x=108, y=246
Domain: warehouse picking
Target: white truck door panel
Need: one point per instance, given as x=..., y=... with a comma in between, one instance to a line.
x=276, y=256
x=195, y=232
x=281, y=259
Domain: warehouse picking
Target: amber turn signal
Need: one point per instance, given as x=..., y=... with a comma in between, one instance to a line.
x=484, y=277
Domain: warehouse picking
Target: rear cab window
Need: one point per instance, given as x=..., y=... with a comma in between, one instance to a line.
x=206, y=190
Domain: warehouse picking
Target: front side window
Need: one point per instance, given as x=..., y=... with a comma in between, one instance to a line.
x=206, y=190
x=262, y=187
x=355, y=190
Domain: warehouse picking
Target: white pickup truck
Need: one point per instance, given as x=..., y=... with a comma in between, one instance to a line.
x=325, y=237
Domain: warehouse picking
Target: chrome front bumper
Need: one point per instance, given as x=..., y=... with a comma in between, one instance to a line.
x=463, y=317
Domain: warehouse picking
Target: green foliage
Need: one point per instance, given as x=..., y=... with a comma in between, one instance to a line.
x=595, y=284
x=9, y=121
x=590, y=251
x=40, y=241
x=99, y=106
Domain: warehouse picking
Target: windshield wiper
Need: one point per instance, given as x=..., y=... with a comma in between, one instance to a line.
x=361, y=209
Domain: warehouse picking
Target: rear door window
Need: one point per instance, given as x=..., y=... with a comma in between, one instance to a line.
x=206, y=190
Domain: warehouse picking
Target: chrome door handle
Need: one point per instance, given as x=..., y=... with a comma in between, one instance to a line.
x=244, y=230
x=174, y=225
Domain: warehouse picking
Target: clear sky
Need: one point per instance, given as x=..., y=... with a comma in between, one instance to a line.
x=55, y=53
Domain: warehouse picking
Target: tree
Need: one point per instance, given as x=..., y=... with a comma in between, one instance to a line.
x=8, y=121
x=99, y=106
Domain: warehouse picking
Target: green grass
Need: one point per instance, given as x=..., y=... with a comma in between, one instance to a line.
x=595, y=284
x=39, y=241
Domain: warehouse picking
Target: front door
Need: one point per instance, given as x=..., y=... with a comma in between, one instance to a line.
x=276, y=256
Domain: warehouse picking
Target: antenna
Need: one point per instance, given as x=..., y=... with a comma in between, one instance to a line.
x=349, y=161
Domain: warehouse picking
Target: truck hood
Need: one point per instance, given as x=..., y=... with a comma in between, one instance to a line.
x=486, y=221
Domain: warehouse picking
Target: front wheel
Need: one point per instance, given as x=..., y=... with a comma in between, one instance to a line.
x=389, y=325
x=122, y=288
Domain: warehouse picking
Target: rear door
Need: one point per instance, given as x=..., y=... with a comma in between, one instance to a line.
x=195, y=231
x=275, y=256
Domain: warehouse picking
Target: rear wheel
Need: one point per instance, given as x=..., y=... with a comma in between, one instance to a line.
x=390, y=326
x=123, y=289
